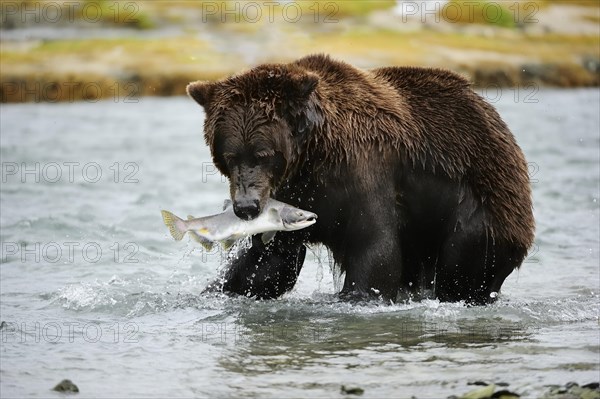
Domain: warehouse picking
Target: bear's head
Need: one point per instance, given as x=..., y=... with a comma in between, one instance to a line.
x=256, y=126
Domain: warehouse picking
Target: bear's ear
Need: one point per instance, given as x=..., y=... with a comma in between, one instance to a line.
x=301, y=86
x=201, y=91
x=302, y=111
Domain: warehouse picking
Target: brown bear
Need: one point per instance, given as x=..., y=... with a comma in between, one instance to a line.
x=419, y=186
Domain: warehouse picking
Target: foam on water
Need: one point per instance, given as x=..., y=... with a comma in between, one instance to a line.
x=141, y=294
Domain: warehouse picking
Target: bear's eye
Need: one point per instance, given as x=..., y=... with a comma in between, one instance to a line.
x=229, y=157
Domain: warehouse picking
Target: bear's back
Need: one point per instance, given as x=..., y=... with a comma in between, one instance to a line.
x=466, y=138
x=426, y=80
x=345, y=88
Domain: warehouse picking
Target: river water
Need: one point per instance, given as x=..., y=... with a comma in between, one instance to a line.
x=94, y=289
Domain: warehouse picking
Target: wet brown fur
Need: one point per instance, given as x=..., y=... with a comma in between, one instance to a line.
x=360, y=129
x=431, y=116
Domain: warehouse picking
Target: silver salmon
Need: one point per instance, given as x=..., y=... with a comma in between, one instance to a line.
x=227, y=228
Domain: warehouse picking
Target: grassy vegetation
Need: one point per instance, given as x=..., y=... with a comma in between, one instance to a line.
x=164, y=65
x=154, y=67
x=124, y=54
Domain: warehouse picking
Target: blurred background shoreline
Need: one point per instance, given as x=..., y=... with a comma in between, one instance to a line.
x=86, y=50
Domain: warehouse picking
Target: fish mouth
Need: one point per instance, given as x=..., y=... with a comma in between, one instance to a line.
x=304, y=219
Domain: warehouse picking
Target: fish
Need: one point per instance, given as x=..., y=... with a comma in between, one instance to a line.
x=226, y=228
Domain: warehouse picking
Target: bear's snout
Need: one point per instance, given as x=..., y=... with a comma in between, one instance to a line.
x=246, y=208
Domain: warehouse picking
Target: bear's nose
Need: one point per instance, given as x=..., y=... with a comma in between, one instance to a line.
x=246, y=209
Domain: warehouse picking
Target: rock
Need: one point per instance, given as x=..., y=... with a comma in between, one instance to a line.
x=481, y=383
x=480, y=393
x=572, y=390
x=66, y=386
x=504, y=394
x=352, y=391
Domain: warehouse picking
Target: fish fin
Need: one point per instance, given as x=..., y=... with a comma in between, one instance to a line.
x=267, y=237
x=207, y=244
x=226, y=204
x=190, y=217
x=227, y=244
x=170, y=221
x=274, y=216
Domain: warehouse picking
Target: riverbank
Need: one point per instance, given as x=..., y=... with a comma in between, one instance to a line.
x=555, y=46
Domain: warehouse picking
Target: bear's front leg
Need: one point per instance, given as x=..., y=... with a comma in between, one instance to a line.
x=371, y=258
x=265, y=271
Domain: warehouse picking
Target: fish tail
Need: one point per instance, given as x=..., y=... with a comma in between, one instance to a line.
x=174, y=224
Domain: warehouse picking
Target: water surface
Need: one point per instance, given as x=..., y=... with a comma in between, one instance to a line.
x=93, y=288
